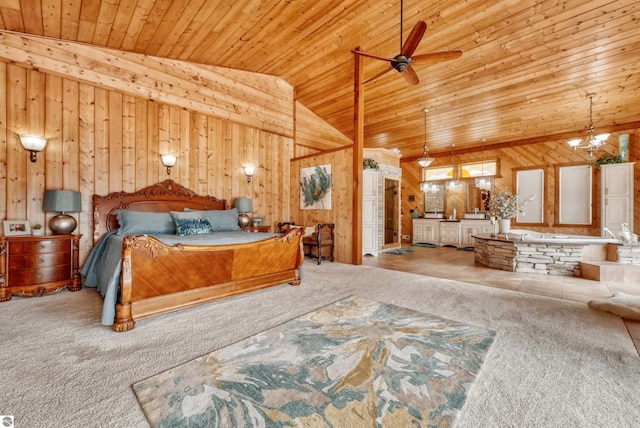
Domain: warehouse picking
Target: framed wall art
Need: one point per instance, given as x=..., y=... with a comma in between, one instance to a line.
x=315, y=188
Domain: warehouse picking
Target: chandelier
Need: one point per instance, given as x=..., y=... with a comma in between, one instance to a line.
x=592, y=143
x=425, y=160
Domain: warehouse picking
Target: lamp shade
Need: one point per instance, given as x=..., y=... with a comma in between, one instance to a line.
x=424, y=162
x=33, y=143
x=244, y=205
x=168, y=160
x=62, y=201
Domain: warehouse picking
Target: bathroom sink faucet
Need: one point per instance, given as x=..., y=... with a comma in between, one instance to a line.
x=609, y=232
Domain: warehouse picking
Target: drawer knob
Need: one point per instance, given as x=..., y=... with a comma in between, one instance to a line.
x=40, y=260
x=40, y=247
x=40, y=276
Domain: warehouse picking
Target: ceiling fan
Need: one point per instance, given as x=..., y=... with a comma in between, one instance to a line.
x=402, y=62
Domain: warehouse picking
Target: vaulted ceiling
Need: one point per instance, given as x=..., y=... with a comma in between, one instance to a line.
x=526, y=69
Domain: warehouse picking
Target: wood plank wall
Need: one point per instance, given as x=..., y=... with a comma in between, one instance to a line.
x=341, y=202
x=101, y=141
x=544, y=155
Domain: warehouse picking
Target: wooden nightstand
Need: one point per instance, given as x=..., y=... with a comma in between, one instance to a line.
x=33, y=266
x=261, y=229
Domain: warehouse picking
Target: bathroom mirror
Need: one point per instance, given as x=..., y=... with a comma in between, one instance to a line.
x=478, y=197
x=433, y=196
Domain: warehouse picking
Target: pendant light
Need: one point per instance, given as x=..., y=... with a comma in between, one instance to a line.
x=425, y=160
x=592, y=143
x=453, y=184
x=483, y=182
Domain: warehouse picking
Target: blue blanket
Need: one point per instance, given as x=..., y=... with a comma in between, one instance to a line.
x=104, y=264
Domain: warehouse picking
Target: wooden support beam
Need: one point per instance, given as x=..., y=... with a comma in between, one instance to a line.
x=256, y=100
x=358, y=150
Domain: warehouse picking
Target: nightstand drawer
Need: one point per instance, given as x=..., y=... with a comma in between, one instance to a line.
x=33, y=266
x=35, y=261
x=39, y=276
x=40, y=246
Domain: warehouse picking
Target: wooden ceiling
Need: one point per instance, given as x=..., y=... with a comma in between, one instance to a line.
x=524, y=75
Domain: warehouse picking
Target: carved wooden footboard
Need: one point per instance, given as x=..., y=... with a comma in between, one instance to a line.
x=157, y=278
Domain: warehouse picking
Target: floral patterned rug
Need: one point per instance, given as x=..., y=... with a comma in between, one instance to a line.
x=353, y=363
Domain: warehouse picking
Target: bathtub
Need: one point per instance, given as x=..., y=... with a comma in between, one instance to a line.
x=531, y=236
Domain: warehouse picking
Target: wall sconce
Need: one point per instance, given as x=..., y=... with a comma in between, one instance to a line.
x=249, y=171
x=62, y=201
x=33, y=144
x=168, y=161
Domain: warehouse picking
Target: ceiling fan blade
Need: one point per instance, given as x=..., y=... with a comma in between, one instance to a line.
x=414, y=39
x=435, y=57
x=411, y=76
x=371, y=56
x=385, y=71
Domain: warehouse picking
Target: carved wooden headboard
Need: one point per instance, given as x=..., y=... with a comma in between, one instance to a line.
x=161, y=197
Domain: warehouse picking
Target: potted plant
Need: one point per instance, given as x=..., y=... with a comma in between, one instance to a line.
x=369, y=163
x=504, y=206
x=37, y=230
x=607, y=159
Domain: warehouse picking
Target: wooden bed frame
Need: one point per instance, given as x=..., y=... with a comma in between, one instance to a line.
x=157, y=278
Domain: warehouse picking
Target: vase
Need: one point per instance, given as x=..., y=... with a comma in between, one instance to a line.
x=504, y=225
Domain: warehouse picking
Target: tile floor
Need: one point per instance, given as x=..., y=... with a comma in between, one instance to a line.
x=445, y=262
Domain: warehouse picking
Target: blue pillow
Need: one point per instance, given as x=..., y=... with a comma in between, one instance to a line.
x=140, y=222
x=193, y=226
x=221, y=220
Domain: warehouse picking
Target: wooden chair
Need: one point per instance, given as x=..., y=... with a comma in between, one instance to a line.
x=320, y=244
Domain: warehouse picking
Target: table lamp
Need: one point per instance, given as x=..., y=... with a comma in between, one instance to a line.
x=62, y=201
x=244, y=206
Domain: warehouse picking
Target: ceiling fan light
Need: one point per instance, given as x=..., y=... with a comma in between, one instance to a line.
x=425, y=162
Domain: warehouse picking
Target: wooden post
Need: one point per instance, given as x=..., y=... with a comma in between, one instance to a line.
x=358, y=148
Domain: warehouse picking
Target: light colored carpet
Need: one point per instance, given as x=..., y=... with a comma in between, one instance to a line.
x=353, y=363
x=554, y=363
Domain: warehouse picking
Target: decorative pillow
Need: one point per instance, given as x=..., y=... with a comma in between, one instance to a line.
x=193, y=226
x=179, y=215
x=221, y=220
x=139, y=222
x=621, y=304
x=308, y=230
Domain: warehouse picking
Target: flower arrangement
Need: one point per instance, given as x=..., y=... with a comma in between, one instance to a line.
x=504, y=205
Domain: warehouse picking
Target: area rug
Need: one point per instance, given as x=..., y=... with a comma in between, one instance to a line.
x=352, y=363
x=399, y=251
x=425, y=244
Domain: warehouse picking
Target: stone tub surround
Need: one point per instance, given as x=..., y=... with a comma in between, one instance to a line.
x=510, y=253
x=628, y=254
x=528, y=257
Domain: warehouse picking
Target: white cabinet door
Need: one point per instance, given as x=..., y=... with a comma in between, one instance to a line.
x=474, y=227
x=450, y=233
x=426, y=231
x=617, y=197
x=370, y=212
